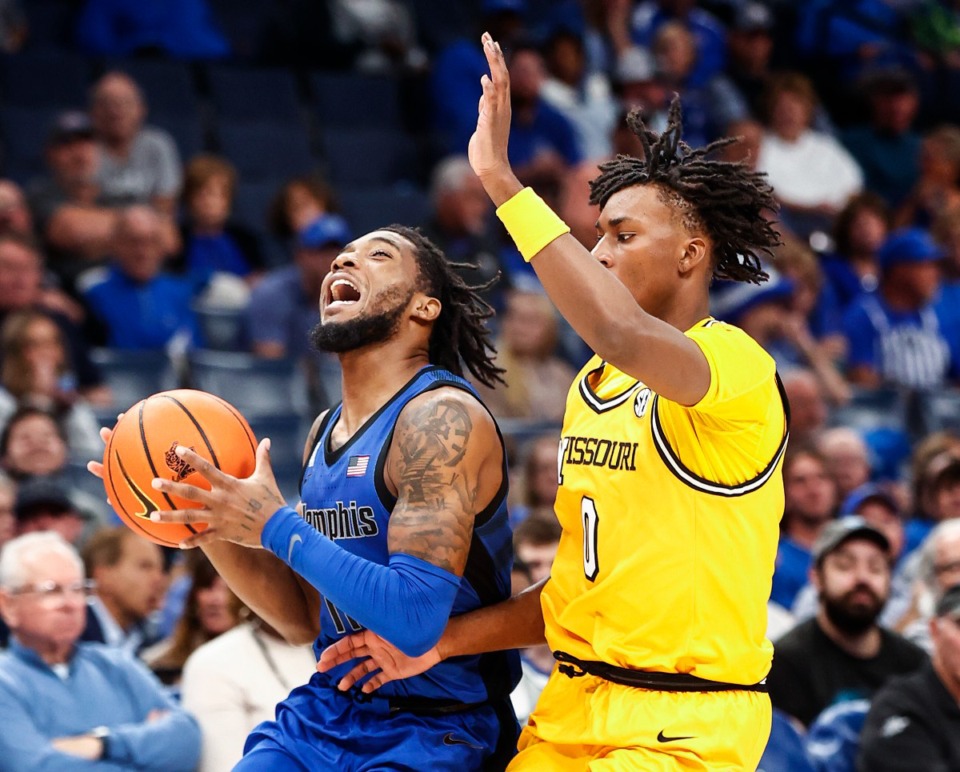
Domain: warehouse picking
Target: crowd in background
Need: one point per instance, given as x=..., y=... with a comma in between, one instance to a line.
x=176, y=178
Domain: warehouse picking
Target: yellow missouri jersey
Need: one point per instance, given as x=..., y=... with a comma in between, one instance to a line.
x=670, y=517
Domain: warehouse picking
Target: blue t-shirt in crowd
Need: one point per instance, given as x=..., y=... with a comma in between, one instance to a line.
x=549, y=130
x=790, y=573
x=281, y=312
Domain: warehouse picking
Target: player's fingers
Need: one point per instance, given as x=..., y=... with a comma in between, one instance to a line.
x=105, y=434
x=263, y=457
x=183, y=490
x=181, y=516
x=375, y=682
x=95, y=468
x=208, y=536
x=357, y=672
x=204, y=467
x=350, y=647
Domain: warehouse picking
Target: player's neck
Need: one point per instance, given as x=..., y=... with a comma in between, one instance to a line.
x=371, y=377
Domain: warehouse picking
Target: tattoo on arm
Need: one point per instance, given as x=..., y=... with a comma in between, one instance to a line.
x=436, y=505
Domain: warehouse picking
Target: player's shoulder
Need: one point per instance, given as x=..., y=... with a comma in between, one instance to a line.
x=446, y=403
x=726, y=340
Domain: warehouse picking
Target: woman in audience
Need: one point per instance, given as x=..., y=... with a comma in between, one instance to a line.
x=300, y=202
x=36, y=372
x=211, y=609
x=938, y=189
x=537, y=481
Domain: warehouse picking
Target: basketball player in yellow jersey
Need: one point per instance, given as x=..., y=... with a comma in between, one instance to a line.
x=670, y=487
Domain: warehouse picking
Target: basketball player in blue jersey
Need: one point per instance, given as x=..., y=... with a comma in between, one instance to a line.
x=402, y=522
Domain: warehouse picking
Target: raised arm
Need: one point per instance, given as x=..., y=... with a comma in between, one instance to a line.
x=597, y=304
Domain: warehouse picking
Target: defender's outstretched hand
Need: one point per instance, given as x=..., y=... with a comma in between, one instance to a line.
x=234, y=510
x=384, y=660
x=488, y=145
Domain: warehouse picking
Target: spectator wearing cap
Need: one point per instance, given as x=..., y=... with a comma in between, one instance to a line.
x=914, y=721
x=895, y=336
x=43, y=505
x=75, y=224
x=842, y=653
x=749, y=50
x=133, y=302
x=886, y=146
x=284, y=306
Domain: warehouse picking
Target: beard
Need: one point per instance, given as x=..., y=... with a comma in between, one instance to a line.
x=853, y=617
x=365, y=330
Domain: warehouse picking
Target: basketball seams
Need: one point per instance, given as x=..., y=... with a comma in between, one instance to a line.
x=146, y=450
x=241, y=420
x=199, y=428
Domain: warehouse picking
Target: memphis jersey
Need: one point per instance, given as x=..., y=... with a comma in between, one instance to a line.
x=345, y=498
x=670, y=517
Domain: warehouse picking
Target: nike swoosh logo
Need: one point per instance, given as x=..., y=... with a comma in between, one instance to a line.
x=293, y=543
x=143, y=498
x=449, y=739
x=662, y=738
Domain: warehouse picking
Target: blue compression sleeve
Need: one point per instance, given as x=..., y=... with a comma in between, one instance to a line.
x=408, y=602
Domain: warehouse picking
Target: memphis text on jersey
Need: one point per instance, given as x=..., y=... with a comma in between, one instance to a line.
x=345, y=521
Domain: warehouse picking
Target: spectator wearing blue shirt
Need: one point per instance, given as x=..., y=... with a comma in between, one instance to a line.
x=66, y=705
x=133, y=303
x=895, y=335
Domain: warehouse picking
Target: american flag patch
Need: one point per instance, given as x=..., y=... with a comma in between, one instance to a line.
x=357, y=466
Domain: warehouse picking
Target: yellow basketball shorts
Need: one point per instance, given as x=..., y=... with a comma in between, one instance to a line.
x=587, y=723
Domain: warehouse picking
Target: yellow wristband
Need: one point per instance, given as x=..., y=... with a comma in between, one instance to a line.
x=530, y=222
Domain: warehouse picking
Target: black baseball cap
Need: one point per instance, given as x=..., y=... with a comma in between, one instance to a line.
x=69, y=126
x=34, y=496
x=840, y=531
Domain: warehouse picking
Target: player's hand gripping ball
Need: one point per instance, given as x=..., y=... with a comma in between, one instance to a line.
x=142, y=445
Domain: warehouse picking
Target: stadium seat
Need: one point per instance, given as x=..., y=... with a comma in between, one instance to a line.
x=50, y=78
x=222, y=329
x=251, y=203
x=872, y=409
x=369, y=208
x=133, y=375
x=167, y=84
x=368, y=157
x=23, y=131
x=264, y=151
x=255, y=386
x=353, y=100
x=940, y=411
x=51, y=23
x=247, y=94
x=186, y=130
x=784, y=751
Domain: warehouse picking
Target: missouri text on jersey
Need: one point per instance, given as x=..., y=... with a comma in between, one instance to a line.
x=592, y=451
x=347, y=521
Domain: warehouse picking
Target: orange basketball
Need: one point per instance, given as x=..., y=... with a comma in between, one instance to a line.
x=142, y=448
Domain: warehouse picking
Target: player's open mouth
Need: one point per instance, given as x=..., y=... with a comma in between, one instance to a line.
x=343, y=293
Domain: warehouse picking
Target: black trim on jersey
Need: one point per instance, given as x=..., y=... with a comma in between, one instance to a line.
x=317, y=439
x=672, y=461
x=598, y=404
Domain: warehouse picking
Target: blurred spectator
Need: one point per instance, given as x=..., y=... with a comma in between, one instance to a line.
x=914, y=721
x=895, y=336
x=543, y=144
x=808, y=405
x=284, y=306
x=946, y=232
x=749, y=50
x=535, y=543
x=935, y=25
x=650, y=15
x=15, y=216
x=72, y=218
x=212, y=243
x=234, y=682
x=810, y=502
x=133, y=302
x=638, y=85
x=14, y=30
x=8, y=518
x=811, y=173
x=21, y=288
x=211, y=609
x=130, y=581
x=859, y=231
x=381, y=34
x=537, y=379
x=583, y=97
x=938, y=569
x=538, y=481
x=709, y=106
x=886, y=147
x=298, y=203
x=460, y=227
x=35, y=371
x=32, y=444
x=841, y=654
x=938, y=187
x=931, y=456
x=457, y=69
x=139, y=164
x=183, y=29
x=42, y=505
x=848, y=459
x=64, y=703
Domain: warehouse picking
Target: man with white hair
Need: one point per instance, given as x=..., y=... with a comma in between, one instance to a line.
x=937, y=569
x=63, y=702
x=848, y=458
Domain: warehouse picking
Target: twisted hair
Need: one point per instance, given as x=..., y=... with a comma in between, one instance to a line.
x=460, y=335
x=724, y=199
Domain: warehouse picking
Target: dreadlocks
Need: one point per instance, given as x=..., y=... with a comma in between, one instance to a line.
x=459, y=335
x=723, y=198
